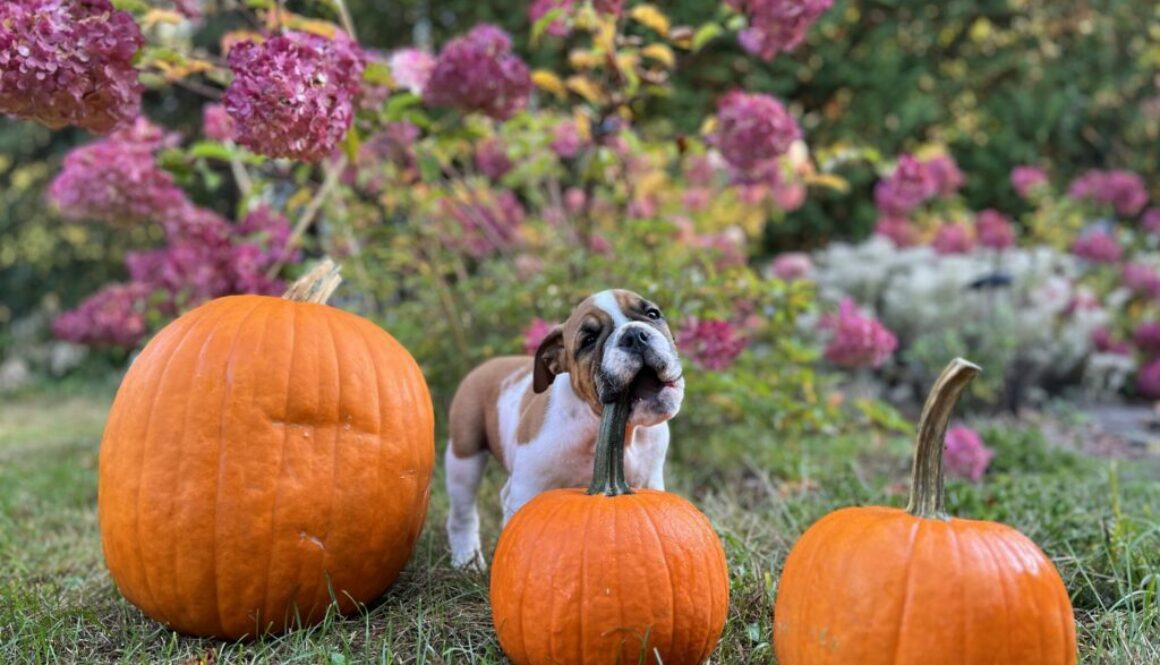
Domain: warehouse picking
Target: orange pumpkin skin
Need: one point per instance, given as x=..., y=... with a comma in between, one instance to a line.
x=582, y=580
x=261, y=455
x=877, y=586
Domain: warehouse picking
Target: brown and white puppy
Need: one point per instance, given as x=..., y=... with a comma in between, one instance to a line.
x=539, y=415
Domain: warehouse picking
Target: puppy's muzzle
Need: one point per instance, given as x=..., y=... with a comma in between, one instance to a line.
x=637, y=354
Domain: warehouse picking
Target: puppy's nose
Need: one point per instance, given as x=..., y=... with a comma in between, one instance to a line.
x=634, y=340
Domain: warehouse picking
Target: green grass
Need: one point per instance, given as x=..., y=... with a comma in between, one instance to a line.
x=1097, y=519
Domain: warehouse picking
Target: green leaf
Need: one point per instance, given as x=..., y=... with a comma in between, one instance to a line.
x=544, y=22
x=131, y=6
x=883, y=415
x=429, y=167
x=351, y=144
x=397, y=105
x=223, y=152
x=377, y=73
x=705, y=34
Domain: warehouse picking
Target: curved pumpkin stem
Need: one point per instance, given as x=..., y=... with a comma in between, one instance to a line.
x=608, y=471
x=926, y=478
x=317, y=285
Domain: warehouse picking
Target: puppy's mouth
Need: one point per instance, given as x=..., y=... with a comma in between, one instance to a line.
x=648, y=384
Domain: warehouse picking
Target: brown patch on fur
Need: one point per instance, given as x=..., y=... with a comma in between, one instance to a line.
x=533, y=409
x=473, y=420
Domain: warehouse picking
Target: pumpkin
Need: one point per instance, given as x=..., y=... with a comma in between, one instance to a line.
x=264, y=457
x=609, y=575
x=877, y=585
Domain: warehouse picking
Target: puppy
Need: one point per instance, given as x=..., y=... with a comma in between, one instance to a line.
x=538, y=416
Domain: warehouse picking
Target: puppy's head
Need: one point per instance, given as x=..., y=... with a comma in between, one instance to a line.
x=615, y=341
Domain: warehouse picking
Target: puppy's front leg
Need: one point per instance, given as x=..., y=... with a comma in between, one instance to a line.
x=463, y=477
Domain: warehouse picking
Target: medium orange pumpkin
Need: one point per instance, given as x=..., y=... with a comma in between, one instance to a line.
x=262, y=457
x=883, y=586
x=609, y=575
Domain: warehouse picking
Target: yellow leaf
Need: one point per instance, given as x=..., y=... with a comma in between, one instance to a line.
x=648, y=14
x=586, y=88
x=661, y=53
x=583, y=124
x=582, y=59
x=313, y=26
x=546, y=80
x=605, y=37
x=834, y=182
x=156, y=16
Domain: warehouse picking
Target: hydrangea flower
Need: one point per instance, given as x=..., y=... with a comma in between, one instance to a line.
x=608, y=6
x=906, y=188
x=711, y=344
x=566, y=140
x=535, y=333
x=946, y=174
x=1123, y=190
x=1106, y=342
x=411, y=68
x=791, y=265
x=293, y=95
x=753, y=129
x=113, y=316
x=994, y=229
x=1150, y=220
x=216, y=123
x=965, y=456
x=64, y=62
x=900, y=230
x=1148, y=380
x=488, y=224
x=1027, y=179
x=269, y=230
x=491, y=158
x=559, y=26
x=479, y=72
x=1097, y=246
x=953, y=238
x=1146, y=337
x=1141, y=279
x=776, y=25
x=116, y=179
x=856, y=340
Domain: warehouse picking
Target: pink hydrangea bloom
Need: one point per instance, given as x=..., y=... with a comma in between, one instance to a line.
x=216, y=123
x=486, y=225
x=575, y=199
x=994, y=229
x=116, y=179
x=953, y=238
x=1148, y=380
x=965, y=456
x=791, y=265
x=1098, y=247
x=479, y=72
x=906, y=188
x=411, y=68
x=947, y=177
x=901, y=231
x=776, y=25
x=1027, y=179
x=293, y=95
x=710, y=343
x=535, y=333
x=69, y=62
x=566, y=140
x=1106, y=342
x=1122, y=190
x=608, y=6
x=1146, y=337
x=113, y=316
x=269, y=230
x=559, y=26
x=1142, y=279
x=753, y=129
x=1150, y=220
x=491, y=158
x=857, y=340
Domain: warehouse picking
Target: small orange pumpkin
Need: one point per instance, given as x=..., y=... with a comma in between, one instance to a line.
x=883, y=586
x=609, y=575
x=262, y=457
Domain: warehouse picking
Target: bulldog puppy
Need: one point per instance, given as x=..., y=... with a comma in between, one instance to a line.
x=538, y=416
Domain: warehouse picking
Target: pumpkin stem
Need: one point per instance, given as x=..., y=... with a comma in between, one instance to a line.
x=608, y=470
x=926, y=478
x=316, y=285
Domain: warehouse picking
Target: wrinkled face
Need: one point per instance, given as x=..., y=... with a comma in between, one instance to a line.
x=616, y=341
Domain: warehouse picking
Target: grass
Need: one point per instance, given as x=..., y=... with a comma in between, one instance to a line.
x=1098, y=519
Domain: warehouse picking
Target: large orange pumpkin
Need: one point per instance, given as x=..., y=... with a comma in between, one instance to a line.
x=609, y=575
x=262, y=457
x=883, y=586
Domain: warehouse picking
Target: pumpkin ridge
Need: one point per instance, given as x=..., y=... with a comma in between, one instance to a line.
x=711, y=533
x=221, y=468
x=1034, y=597
x=281, y=457
x=527, y=572
x=964, y=606
x=561, y=549
x=910, y=565
x=583, y=584
x=668, y=572
x=335, y=491
x=1001, y=575
x=172, y=352
x=708, y=627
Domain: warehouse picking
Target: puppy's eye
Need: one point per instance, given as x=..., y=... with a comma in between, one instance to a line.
x=653, y=313
x=587, y=340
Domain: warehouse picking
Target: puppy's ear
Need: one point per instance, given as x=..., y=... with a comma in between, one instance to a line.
x=549, y=360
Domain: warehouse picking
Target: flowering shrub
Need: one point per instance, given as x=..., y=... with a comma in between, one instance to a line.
x=965, y=455
x=479, y=72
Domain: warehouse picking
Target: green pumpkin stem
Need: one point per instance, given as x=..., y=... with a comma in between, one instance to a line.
x=608, y=470
x=317, y=285
x=926, y=478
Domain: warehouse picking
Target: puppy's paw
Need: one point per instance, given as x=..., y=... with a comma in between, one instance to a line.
x=470, y=561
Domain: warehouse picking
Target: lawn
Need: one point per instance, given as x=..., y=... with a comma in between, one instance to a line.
x=1098, y=518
